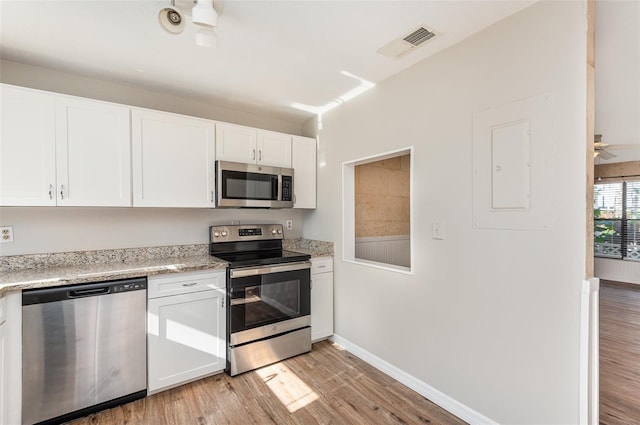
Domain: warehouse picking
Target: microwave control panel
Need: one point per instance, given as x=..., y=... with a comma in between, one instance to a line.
x=287, y=188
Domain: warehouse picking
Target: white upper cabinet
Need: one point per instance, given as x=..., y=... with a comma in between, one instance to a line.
x=274, y=149
x=173, y=160
x=249, y=145
x=93, y=153
x=236, y=143
x=27, y=147
x=303, y=159
x=62, y=150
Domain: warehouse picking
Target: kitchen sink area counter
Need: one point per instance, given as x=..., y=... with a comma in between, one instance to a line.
x=31, y=271
x=309, y=246
x=57, y=269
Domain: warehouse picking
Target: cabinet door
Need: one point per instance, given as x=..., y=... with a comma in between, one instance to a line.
x=274, y=149
x=303, y=159
x=173, y=160
x=321, y=306
x=11, y=360
x=93, y=153
x=186, y=338
x=236, y=143
x=27, y=147
x=3, y=377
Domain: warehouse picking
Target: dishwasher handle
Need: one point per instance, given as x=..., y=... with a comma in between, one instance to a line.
x=89, y=292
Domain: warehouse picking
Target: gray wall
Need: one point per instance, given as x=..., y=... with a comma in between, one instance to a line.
x=60, y=229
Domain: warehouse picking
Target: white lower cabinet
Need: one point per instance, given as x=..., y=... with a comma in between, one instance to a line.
x=186, y=331
x=3, y=367
x=321, y=298
x=11, y=358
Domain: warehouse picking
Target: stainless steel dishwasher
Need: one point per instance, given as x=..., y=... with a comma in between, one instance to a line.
x=84, y=349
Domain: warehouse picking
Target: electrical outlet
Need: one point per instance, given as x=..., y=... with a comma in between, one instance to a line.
x=289, y=224
x=6, y=234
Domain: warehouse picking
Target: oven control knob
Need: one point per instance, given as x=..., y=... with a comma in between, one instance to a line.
x=279, y=231
x=274, y=231
x=216, y=234
x=224, y=233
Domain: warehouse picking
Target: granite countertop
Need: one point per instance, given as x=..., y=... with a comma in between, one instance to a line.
x=67, y=268
x=84, y=273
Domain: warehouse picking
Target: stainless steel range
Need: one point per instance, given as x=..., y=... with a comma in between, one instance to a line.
x=268, y=296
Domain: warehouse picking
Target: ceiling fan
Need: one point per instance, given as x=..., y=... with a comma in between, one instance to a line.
x=601, y=149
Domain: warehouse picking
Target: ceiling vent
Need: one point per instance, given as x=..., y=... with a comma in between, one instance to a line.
x=406, y=44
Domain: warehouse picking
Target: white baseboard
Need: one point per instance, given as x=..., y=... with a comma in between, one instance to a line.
x=447, y=403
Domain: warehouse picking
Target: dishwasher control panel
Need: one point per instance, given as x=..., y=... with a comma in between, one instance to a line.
x=132, y=286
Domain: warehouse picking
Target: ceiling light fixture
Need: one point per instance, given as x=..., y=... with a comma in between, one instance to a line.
x=204, y=14
x=206, y=38
x=171, y=19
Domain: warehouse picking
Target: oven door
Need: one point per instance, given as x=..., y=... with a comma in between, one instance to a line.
x=249, y=185
x=265, y=301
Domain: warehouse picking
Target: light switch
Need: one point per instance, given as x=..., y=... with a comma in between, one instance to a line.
x=437, y=230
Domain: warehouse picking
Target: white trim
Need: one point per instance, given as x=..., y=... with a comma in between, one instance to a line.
x=589, y=354
x=441, y=399
x=382, y=238
x=382, y=266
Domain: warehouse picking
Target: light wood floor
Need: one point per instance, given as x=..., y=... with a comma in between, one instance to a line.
x=619, y=353
x=326, y=386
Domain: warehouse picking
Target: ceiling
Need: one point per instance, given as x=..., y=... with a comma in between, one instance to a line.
x=270, y=54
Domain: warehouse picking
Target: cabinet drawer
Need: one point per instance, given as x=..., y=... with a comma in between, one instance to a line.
x=184, y=283
x=321, y=265
x=2, y=309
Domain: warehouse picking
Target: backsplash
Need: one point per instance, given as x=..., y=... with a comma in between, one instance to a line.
x=130, y=255
x=76, y=258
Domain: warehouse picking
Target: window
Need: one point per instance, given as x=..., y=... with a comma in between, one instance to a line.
x=377, y=210
x=616, y=211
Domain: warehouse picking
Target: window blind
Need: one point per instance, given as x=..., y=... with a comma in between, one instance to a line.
x=616, y=208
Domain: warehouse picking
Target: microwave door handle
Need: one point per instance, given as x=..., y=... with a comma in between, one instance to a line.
x=279, y=195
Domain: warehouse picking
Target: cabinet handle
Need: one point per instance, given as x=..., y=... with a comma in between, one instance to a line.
x=50, y=191
x=254, y=154
x=222, y=302
x=190, y=284
x=260, y=155
x=322, y=266
x=61, y=192
x=311, y=282
x=212, y=197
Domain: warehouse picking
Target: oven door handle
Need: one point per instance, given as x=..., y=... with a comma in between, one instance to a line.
x=254, y=271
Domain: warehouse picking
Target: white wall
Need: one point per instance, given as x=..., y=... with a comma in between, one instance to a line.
x=61, y=229
x=490, y=317
x=617, y=81
x=77, y=85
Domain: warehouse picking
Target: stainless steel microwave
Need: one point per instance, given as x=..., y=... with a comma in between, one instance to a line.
x=253, y=186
